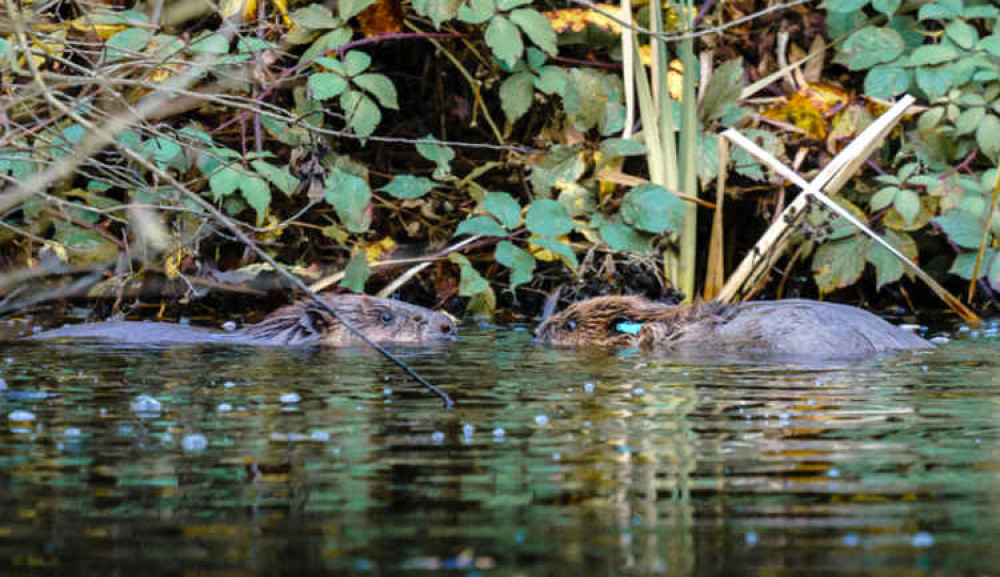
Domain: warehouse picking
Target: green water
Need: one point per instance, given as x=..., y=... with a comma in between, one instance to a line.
x=553, y=462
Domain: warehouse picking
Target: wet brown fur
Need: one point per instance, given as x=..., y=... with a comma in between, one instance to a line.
x=302, y=323
x=592, y=322
x=792, y=327
x=382, y=320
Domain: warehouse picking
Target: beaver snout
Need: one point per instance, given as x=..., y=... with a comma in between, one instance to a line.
x=445, y=327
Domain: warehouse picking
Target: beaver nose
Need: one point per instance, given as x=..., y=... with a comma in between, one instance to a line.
x=447, y=328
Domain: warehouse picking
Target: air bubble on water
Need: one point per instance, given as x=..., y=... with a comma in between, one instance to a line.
x=499, y=432
x=923, y=539
x=387, y=391
x=229, y=326
x=71, y=432
x=194, y=442
x=588, y=387
x=146, y=404
x=437, y=437
x=319, y=435
x=640, y=391
x=224, y=407
x=751, y=538
x=21, y=416
x=851, y=540
x=833, y=473
x=467, y=431
x=556, y=456
x=289, y=398
x=228, y=384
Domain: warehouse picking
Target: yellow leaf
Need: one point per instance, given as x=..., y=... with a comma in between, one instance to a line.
x=375, y=250
x=172, y=264
x=105, y=31
x=232, y=8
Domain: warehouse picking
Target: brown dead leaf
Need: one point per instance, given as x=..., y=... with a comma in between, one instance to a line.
x=382, y=17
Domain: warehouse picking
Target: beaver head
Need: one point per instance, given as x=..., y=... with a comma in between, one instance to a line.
x=382, y=320
x=601, y=321
x=623, y=321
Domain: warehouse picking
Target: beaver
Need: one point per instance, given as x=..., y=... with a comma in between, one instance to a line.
x=792, y=327
x=302, y=323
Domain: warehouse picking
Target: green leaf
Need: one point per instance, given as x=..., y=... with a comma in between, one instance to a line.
x=356, y=62
x=161, y=149
x=724, y=88
x=940, y=10
x=537, y=27
x=883, y=197
x=988, y=136
x=969, y=120
x=886, y=81
x=362, y=113
x=506, y=5
x=844, y=6
x=520, y=263
x=887, y=7
x=935, y=82
x=503, y=38
x=438, y=11
x=65, y=142
x=552, y=80
x=990, y=44
x=323, y=85
x=907, y=204
x=651, y=208
x=88, y=245
x=476, y=11
x=839, y=263
x=470, y=282
x=888, y=268
x=563, y=250
x=210, y=44
x=962, y=34
x=329, y=41
x=408, y=187
x=257, y=194
x=438, y=154
x=616, y=147
x=965, y=264
x=548, y=218
x=482, y=225
x=620, y=236
x=516, y=94
x=962, y=228
x=351, y=198
x=870, y=46
x=349, y=8
x=356, y=273
x=840, y=23
x=381, y=87
x=563, y=165
x=315, y=17
x=126, y=43
x=931, y=54
x=278, y=176
x=504, y=207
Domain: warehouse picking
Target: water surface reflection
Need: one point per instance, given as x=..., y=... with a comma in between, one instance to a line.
x=234, y=460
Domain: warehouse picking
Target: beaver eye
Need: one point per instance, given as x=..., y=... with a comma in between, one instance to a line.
x=386, y=317
x=571, y=324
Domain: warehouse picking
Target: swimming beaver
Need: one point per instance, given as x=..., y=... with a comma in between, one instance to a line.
x=793, y=327
x=301, y=323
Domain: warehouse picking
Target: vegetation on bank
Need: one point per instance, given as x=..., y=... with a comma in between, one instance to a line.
x=487, y=148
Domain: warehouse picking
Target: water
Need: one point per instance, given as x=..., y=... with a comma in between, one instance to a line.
x=234, y=461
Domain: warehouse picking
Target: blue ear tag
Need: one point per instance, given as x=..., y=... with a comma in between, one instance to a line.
x=628, y=327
